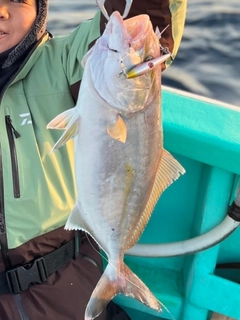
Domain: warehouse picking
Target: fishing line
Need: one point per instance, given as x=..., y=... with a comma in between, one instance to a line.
x=123, y=276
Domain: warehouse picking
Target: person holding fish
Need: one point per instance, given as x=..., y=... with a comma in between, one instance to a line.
x=47, y=272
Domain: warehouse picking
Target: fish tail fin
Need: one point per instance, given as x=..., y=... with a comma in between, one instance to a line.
x=133, y=287
x=68, y=121
x=119, y=281
x=104, y=292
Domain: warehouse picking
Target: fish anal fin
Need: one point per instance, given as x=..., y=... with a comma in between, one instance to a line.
x=169, y=170
x=118, y=129
x=75, y=221
x=68, y=121
x=118, y=280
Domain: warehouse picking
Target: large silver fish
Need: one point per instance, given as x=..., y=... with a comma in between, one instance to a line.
x=121, y=166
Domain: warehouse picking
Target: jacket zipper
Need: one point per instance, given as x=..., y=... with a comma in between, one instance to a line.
x=16, y=186
x=12, y=132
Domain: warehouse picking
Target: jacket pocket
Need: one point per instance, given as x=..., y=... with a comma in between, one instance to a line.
x=12, y=135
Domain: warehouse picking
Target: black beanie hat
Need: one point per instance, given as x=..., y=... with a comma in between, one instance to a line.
x=37, y=30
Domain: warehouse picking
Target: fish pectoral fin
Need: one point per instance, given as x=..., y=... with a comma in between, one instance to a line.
x=169, y=170
x=68, y=121
x=117, y=129
x=119, y=281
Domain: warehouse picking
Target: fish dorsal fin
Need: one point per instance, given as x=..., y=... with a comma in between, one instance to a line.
x=117, y=129
x=168, y=171
x=68, y=121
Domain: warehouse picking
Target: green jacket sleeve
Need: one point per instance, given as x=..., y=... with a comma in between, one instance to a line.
x=75, y=46
x=161, y=13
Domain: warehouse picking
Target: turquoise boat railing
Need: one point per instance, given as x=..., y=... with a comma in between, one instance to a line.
x=204, y=135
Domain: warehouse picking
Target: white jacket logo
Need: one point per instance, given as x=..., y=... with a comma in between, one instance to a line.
x=26, y=118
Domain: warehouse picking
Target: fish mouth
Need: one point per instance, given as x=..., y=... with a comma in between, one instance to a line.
x=138, y=29
x=133, y=31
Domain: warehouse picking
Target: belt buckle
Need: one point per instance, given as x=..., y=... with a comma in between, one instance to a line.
x=21, y=278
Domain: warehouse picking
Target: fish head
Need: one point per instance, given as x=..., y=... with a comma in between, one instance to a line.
x=123, y=45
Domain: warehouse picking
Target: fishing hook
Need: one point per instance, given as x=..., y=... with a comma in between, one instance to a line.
x=164, y=50
x=123, y=70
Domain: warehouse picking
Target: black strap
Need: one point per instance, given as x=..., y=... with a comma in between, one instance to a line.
x=22, y=277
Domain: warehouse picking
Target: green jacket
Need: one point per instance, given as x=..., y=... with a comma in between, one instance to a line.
x=38, y=185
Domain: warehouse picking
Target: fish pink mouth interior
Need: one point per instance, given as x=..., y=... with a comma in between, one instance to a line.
x=138, y=28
